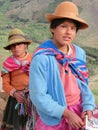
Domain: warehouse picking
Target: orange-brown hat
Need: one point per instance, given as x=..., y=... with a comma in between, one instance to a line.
x=16, y=36
x=67, y=10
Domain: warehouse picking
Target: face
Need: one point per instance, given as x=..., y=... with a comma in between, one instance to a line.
x=64, y=34
x=18, y=50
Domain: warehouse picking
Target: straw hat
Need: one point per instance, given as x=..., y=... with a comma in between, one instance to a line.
x=67, y=10
x=16, y=36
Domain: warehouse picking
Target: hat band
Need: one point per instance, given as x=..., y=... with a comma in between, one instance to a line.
x=16, y=35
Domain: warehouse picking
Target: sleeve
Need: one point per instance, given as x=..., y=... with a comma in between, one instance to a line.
x=7, y=87
x=88, y=100
x=38, y=89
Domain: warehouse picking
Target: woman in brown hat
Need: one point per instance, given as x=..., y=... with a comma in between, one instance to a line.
x=59, y=76
x=15, y=78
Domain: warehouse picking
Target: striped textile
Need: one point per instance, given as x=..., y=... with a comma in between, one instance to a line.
x=77, y=66
x=12, y=63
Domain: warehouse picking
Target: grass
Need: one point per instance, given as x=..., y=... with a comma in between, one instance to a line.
x=39, y=32
x=95, y=92
x=94, y=86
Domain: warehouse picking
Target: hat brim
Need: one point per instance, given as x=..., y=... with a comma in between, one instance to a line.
x=17, y=41
x=83, y=24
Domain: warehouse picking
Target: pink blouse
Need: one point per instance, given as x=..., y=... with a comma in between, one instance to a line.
x=72, y=91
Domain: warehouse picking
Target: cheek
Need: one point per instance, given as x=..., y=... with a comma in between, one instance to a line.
x=73, y=35
x=22, y=48
x=58, y=33
x=57, y=36
x=12, y=51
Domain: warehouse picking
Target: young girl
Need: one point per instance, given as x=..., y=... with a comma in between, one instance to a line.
x=59, y=76
x=15, y=78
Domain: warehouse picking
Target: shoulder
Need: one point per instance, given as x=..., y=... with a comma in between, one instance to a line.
x=29, y=57
x=79, y=49
x=43, y=61
x=41, y=58
x=39, y=61
x=8, y=59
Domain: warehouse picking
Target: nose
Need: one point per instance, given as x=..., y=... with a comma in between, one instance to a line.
x=16, y=46
x=68, y=30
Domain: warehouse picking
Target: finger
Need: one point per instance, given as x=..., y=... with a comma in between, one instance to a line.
x=77, y=124
x=26, y=90
x=83, y=115
x=89, y=113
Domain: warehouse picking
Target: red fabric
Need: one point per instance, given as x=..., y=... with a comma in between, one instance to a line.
x=39, y=125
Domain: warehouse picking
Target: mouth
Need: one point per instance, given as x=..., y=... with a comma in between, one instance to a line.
x=67, y=38
x=16, y=51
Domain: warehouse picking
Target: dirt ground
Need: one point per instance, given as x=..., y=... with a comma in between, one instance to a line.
x=3, y=99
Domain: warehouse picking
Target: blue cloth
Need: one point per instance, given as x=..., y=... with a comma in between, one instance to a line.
x=77, y=66
x=46, y=88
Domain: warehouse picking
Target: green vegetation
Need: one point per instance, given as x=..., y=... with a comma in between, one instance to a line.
x=95, y=90
x=38, y=31
x=92, y=59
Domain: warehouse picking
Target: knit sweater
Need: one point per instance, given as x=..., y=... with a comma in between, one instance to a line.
x=16, y=79
x=47, y=90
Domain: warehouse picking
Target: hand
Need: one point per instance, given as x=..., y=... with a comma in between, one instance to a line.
x=89, y=113
x=19, y=95
x=74, y=120
x=26, y=90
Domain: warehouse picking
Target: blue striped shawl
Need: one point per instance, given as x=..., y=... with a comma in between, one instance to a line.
x=77, y=66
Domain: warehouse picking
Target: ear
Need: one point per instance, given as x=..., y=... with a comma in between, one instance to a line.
x=52, y=31
x=25, y=45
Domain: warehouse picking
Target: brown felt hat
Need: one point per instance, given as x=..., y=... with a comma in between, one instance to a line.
x=67, y=10
x=16, y=36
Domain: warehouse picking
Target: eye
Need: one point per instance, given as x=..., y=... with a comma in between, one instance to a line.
x=18, y=44
x=74, y=28
x=12, y=46
x=63, y=26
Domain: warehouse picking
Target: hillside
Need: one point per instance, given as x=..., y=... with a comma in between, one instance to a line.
x=28, y=15
x=28, y=9
x=34, y=10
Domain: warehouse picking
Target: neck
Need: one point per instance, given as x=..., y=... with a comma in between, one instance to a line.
x=22, y=57
x=64, y=49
